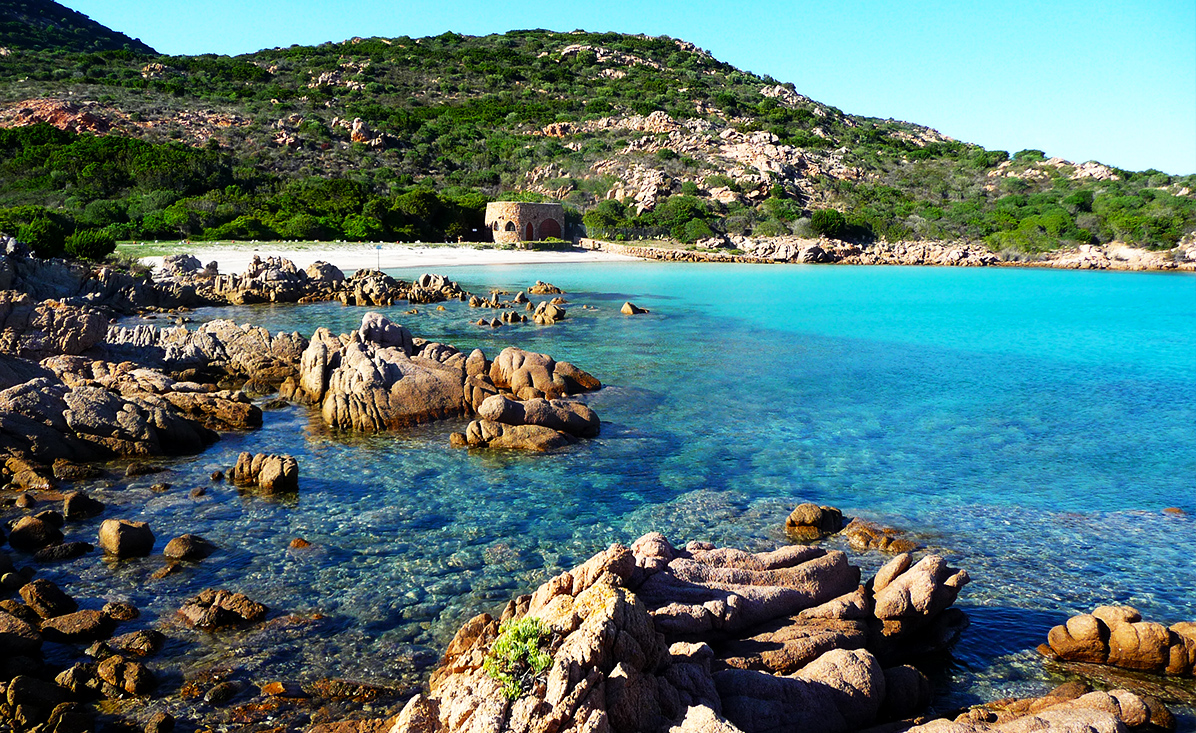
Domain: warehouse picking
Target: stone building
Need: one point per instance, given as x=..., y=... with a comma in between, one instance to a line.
x=512, y=222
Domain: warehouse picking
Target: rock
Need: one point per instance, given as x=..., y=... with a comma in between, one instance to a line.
x=841, y=691
x=864, y=535
x=213, y=609
x=77, y=505
x=142, y=469
x=811, y=522
x=78, y=627
x=128, y=676
x=50, y=517
x=120, y=611
x=123, y=538
x=1117, y=636
x=188, y=547
x=39, y=697
x=47, y=599
x=159, y=722
x=221, y=692
x=272, y=473
x=320, y=271
x=65, y=470
x=547, y=314
x=630, y=309
x=67, y=551
x=485, y=433
x=1070, y=707
x=18, y=638
x=31, y=534
x=910, y=599
x=543, y=288
x=561, y=415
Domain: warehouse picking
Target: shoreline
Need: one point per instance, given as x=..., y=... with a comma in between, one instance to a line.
x=234, y=258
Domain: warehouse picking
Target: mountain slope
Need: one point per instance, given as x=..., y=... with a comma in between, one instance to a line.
x=645, y=136
x=43, y=24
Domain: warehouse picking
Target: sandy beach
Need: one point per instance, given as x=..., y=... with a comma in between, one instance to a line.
x=351, y=257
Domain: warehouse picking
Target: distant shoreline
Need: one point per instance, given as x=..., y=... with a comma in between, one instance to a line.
x=235, y=257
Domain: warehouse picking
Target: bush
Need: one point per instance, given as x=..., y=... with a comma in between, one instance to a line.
x=828, y=223
x=516, y=659
x=90, y=244
x=44, y=236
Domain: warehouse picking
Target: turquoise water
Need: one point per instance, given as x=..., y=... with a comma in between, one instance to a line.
x=1030, y=425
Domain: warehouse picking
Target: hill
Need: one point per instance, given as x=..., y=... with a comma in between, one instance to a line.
x=42, y=24
x=403, y=138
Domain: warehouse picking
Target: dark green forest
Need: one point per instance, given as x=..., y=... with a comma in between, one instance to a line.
x=451, y=122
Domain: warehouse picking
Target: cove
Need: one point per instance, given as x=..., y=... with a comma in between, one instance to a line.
x=1031, y=426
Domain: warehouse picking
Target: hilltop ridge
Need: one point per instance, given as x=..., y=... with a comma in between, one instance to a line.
x=43, y=24
x=404, y=138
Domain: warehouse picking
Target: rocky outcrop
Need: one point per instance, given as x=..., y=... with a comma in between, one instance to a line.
x=656, y=638
x=215, y=350
x=271, y=473
x=1070, y=707
x=380, y=377
x=86, y=410
x=1119, y=637
x=34, y=330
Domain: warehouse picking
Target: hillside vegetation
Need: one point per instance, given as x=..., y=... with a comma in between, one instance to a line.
x=408, y=138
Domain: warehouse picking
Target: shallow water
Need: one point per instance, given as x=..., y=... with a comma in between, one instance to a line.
x=1030, y=425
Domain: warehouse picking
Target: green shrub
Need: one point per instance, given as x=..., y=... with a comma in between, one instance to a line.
x=828, y=223
x=515, y=658
x=90, y=244
x=44, y=236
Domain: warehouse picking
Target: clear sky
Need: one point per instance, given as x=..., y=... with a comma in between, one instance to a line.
x=1111, y=80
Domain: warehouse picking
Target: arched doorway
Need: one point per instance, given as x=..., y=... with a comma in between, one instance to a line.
x=529, y=233
x=550, y=228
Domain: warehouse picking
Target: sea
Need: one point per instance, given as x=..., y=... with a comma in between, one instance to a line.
x=1032, y=426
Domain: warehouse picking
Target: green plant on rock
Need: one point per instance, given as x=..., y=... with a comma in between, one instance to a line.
x=515, y=658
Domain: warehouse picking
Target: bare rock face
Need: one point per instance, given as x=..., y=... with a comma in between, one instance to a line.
x=323, y=272
x=378, y=379
x=272, y=473
x=37, y=330
x=214, y=609
x=123, y=538
x=1118, y=636
x=655, y=638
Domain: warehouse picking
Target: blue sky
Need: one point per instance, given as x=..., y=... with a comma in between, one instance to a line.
x=1111, y=81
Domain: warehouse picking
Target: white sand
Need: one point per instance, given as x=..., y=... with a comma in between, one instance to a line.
x=232, y=259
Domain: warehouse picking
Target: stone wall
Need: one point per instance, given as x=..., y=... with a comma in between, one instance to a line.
x=512, y=222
